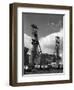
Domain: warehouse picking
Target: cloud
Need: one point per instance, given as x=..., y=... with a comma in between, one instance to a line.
x=48, y=43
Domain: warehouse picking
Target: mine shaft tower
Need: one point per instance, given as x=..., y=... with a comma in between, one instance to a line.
x=36, y=49
x=57, y=49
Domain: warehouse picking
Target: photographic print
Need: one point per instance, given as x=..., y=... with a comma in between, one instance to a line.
x=43, y=43
x=40, y=44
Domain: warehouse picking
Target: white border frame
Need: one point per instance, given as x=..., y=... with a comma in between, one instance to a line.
x=43, y=77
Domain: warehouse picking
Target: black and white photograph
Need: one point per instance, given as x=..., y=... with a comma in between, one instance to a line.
x=40, y=44
x=43, y=43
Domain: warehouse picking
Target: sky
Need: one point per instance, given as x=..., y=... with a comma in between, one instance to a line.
x=47, y=23
x=49, y=26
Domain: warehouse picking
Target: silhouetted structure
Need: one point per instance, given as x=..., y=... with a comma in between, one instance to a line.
x=57, y=49
x=36, y=49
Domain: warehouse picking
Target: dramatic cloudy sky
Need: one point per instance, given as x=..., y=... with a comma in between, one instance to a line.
x=49, y=27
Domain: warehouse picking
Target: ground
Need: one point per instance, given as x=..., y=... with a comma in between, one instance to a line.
x=39, y=71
